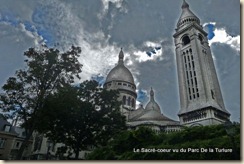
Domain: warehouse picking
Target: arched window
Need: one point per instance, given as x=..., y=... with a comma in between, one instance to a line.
x=186, y=40
x=133, y=103
x=129, y=99
x=124, y=100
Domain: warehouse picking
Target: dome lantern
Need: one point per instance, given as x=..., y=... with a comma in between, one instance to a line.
x=121, y=57
x=151, y=95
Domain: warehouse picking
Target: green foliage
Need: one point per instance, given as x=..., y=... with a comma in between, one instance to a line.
x=46, y=71
x=124, y=145
x=81, y=117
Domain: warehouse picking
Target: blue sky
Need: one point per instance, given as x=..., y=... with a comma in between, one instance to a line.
x=143, y=28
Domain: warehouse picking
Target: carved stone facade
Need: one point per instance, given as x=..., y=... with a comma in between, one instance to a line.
x=120, y=78
x=200, y=95
x=201, y=101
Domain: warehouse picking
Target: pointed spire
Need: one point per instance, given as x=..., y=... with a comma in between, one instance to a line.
x=151, y=95
x=185, y=5
x=187, y=16
x=121, y=57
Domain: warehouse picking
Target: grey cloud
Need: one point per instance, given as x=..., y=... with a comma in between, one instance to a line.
x=128, y=26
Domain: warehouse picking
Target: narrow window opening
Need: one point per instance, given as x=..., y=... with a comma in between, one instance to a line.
x=200, y=38
x=133, y=103
x=129, y=99
x=124, y=100
x=212, y=93
x=197, y=94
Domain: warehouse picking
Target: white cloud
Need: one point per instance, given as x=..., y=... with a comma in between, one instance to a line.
x=221, y=36
x=205, y=24
x=22, y=34
x=151, y=44
x=142, y=56
x=97, y=54
x=37, y=39
x=118, y=5
x=97, y=58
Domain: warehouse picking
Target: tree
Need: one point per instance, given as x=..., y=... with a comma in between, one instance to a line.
x=208, y=137
x=47, y=70
x=82, y=116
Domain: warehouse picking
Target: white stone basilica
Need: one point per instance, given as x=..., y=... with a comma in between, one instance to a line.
x=120, y=78
x=200, y=95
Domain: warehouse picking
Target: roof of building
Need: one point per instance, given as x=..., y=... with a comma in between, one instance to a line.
x=120, y=72
x=152, y=104
x=150, y=115
x=187, y=15
x=4, y=123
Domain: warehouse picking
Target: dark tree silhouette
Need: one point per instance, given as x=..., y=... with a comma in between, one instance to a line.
x=47, y=69
x=82, y=117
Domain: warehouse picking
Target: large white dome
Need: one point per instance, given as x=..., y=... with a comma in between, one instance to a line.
x=120, y=72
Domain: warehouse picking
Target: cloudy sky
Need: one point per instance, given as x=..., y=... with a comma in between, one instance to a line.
x=144, y=29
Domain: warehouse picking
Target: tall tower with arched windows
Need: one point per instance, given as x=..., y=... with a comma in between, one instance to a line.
x=201, y=100
x=120, y=78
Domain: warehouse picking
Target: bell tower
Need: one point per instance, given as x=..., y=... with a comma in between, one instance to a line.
x=201, y=101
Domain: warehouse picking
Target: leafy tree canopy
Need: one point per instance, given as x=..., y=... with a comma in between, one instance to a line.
x=47, y=70
x=82, y=116
x=124, y=146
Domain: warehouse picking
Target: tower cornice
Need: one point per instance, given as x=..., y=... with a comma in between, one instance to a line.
x=183, y=30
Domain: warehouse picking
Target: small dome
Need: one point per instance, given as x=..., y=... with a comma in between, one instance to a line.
x=153, y=115
x=120, y=72
x=152, y=104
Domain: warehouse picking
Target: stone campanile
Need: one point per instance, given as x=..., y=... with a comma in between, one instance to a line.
x=201, y=101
